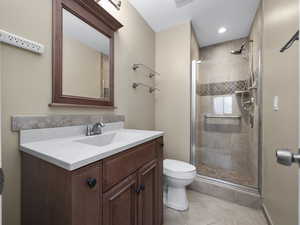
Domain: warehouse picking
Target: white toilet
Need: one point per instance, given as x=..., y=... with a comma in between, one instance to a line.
x=177, y=175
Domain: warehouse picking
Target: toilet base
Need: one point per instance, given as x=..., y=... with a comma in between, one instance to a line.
x=176, y=198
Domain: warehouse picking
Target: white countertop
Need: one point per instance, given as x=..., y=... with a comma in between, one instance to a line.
x=69, y=153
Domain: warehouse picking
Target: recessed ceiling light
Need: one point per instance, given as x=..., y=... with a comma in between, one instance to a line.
x=222, y=30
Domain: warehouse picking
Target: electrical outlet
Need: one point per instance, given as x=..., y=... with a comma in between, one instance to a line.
x=20, y=42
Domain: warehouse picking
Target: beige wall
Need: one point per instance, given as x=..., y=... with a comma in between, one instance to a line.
x=26, y=86
x=82, y=68
x=280, y=130
x=172, y=109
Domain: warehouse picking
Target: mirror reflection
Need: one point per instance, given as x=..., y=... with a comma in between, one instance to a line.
x=86, y=52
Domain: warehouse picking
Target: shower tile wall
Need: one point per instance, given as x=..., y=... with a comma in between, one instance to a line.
x=223, y=144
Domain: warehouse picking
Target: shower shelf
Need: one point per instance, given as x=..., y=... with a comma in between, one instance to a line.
x=222, y=116
x=242, y=92
x=246, y=91
x=252, y=88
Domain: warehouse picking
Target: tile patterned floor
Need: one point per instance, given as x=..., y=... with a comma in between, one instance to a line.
x=227, y=175
x=206, y=210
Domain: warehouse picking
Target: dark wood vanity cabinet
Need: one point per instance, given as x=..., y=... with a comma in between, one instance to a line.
x=120, y=203
x=86, y=194
x=124, y=189
x=149, y=193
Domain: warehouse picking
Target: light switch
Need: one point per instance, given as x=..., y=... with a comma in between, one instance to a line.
x=275, y=103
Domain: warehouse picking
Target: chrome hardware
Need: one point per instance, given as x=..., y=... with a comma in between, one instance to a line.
x=151, y=75
x=151, y=89
x=152, y=72
x=95, y=129
x=286, y=157
x=290, y=42
x=88, y=130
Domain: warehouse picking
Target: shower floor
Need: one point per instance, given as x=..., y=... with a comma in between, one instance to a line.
x=227, y=175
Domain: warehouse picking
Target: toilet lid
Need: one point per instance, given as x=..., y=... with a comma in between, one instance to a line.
x=178, y=168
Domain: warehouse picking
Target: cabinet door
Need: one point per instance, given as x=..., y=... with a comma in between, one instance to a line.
x=120, y=203
x=148, y=196
x=86, y=195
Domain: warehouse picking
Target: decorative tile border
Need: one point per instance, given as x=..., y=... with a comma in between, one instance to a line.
x=222, y=88
x=50, y=121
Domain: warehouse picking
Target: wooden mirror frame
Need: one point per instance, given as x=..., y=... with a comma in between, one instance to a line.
x=94, y=15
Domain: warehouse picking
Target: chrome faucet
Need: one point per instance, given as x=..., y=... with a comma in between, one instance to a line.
x=95, y=129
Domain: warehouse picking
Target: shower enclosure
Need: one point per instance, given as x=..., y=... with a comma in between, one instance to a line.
x=225, y=103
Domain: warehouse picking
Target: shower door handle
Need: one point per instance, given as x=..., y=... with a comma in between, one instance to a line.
x=286, y=157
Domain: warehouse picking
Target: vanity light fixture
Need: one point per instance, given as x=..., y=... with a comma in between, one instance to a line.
x=222, y=30
x=116, y=3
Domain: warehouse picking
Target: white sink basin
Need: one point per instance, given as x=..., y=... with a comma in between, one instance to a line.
x=99, y=140
x=109, y=138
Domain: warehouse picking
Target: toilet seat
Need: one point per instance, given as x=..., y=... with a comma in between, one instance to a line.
x=178, y=169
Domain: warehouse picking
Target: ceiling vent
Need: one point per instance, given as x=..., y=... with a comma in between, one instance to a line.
x=182, y=3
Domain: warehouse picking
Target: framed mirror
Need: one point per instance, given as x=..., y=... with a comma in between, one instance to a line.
x=83, y=54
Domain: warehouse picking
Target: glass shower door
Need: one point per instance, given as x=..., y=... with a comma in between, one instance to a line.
x=223, y=139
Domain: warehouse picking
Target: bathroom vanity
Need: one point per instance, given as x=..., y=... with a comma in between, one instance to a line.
x=110, y=179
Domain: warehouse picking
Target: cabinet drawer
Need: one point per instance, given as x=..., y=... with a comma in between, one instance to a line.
x=118, y=167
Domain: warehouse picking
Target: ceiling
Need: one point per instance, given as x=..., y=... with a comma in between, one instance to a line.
x=79, y=30
x=207, y=16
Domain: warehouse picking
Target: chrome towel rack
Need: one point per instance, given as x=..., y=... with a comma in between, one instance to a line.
x=290, y=42
x=152, y=71
x=151, y=89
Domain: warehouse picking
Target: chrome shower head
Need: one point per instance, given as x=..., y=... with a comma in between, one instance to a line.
x=240, y=51
x=236, y=52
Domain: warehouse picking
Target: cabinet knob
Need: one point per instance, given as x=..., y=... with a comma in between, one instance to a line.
x=162, y=144
x=91, y=182
x=140, y=188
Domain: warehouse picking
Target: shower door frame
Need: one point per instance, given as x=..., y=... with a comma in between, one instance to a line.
x=193, y=115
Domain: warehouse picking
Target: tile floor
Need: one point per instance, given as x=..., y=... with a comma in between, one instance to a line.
x=206, y=210
x=227, y=175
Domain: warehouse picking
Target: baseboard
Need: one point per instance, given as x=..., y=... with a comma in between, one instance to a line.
x=266, y=214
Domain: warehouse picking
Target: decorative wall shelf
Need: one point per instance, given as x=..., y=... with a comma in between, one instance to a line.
x=152, y=71
x=151, y=89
